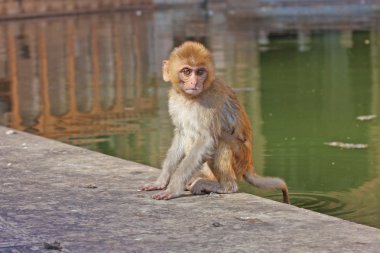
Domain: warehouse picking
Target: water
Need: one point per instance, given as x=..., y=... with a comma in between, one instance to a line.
x=95, y=81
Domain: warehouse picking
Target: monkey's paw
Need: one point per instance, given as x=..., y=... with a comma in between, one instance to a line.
x=152, y=187
x=165, y=195
x=197, y=189
x=203, y=186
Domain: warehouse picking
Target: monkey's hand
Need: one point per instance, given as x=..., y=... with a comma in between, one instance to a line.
x=153, y=187
x=165, y=195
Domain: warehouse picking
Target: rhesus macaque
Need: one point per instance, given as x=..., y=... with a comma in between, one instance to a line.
x=211, y=148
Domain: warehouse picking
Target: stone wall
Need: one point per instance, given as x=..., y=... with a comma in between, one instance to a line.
x=33, y=8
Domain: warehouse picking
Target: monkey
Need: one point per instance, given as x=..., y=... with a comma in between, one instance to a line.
x=212, y=145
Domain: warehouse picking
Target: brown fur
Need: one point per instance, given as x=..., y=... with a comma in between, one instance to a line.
x=212, y=146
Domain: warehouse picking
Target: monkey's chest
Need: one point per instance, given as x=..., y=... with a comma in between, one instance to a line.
x=192, y=120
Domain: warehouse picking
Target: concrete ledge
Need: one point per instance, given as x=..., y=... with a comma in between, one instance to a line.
x=89, y=202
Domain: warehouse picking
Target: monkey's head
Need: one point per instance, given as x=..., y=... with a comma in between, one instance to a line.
x=190, y=69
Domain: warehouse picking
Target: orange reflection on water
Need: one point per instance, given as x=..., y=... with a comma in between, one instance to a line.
x=76, y=77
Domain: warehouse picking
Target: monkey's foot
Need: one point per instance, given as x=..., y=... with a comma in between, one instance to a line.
x=189, y=186
x=203, y=186
x=165, y=195
x=152, y=187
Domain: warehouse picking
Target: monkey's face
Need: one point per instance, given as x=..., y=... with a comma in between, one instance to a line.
x=190, y=69
x=192, y=79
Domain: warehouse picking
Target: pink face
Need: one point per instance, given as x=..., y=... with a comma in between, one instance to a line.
x=192, y=79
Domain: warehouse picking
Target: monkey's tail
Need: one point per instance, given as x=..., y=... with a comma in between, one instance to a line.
x=268, y=183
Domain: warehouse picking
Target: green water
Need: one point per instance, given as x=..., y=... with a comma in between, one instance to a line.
x=299, y=96
x=312, y=98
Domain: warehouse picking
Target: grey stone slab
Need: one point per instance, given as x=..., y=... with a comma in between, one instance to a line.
x=90, y=202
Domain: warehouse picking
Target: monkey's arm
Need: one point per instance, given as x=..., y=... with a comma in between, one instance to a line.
x=173, y=158
x=192, y=162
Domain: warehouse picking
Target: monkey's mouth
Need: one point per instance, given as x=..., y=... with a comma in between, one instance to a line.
x=192, y=91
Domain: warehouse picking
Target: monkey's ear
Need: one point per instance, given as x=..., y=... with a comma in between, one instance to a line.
x=165, y=71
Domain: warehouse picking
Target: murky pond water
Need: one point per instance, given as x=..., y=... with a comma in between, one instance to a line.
x=94, y=81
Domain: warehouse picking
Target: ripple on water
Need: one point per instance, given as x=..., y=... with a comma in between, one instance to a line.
x=317, y=202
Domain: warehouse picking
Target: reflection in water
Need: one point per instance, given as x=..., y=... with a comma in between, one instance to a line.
x=91, y=81
x=67, y=79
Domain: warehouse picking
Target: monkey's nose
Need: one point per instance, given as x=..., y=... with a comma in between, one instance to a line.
x=193, y=81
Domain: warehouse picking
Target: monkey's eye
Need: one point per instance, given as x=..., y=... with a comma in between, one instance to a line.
x=200, y=72
x=186, y=71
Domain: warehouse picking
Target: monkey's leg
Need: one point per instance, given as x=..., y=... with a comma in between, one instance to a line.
x=186, y=169
x=173, y=158
x=222, y=168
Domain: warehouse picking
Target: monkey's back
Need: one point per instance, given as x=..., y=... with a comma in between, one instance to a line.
x=236, y=130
